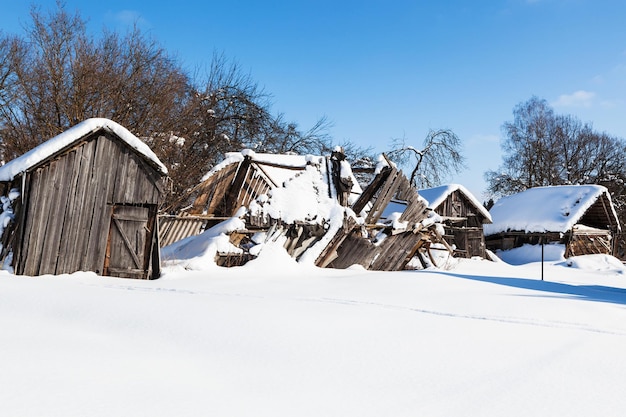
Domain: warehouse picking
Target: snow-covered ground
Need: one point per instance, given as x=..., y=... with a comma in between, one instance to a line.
x=276, y=338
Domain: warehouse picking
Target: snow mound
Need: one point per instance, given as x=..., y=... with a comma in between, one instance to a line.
x=198, y=252
x=598, y=263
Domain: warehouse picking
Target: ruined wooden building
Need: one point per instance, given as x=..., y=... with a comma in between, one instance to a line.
x=397, y=227
x=315, y=204
x=581, y=217
x=85, y=200
x=463, y=218
x=246, y=179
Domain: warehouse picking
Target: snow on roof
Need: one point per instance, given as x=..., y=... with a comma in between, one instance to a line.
x=544, y=209
x=437, y=195
x=279, y=169
x=285, y=160
x=36, y=155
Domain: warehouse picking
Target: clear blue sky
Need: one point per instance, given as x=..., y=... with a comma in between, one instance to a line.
x=383, y=70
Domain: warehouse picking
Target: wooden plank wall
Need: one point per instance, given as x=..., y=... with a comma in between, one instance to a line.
x=68, y=206
x=457, y=205
x=234, y=186
x=211, y=199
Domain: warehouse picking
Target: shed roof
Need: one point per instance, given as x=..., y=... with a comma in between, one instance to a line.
x=76, y=133
x=437, y=195
x=549, y=209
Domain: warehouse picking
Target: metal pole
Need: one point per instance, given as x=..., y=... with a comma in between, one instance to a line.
x=542, y=259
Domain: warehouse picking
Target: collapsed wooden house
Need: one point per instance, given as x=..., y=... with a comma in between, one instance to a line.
x=397, y=227
x=316, y=205
x=85, y=200
x=463, y=218
x=581, y=217
x=256, y=182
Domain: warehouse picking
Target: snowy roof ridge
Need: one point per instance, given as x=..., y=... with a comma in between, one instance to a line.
x=286, y=160
x=56, y=144
x=437, y=195
x=544, y=209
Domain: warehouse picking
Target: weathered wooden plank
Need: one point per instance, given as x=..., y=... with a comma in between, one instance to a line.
x=91, y=206
x=330, y=251
x=385, y=195
x=67, y=211
x=354, y=250
x=113, y=171
x=393, y=252
x=212, y=192
x=54, y=231
x=121, y=177
x=148, y=189
x=131, y=182
x=369, y=192
x=38, y=217
x=234, y=190
x=42, y=246
x=100, y=222
x=70, y=216
x=19, y=262
x=100, y=215
x=81, y=208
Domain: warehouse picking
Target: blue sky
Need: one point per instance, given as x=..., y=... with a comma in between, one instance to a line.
x=380, y=71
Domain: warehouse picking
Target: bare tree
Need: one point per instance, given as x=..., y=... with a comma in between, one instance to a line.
x=57, y=75
x=60, y=76
x=439, y=157
x=542, y=148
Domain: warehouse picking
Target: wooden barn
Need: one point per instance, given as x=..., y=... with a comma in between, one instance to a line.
x=581, y=217
x=463, y=218
x=85, y=200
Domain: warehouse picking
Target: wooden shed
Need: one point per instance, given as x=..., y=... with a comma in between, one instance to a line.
x=581, y=217
x=463, y=218
x=85, y=200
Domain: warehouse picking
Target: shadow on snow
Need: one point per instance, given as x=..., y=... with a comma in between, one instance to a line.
x=586, y=292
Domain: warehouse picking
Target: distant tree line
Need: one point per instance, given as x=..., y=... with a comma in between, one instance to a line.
x=57, y=75
x=542, y=148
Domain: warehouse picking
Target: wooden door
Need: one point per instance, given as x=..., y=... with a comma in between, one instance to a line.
x=475, y=243
x=130, y=242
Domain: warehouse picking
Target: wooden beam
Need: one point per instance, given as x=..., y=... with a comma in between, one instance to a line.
x=371, y=190
x=232, y=197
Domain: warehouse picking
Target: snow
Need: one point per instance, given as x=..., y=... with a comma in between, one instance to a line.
x=280, y=175
x=437, y=195
x=6, y=217
x=304, y=197
x=198, y=252
x=278, y=338
x=544, y=209
x=301, y=195
x=36, y=155
x=532, y=253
